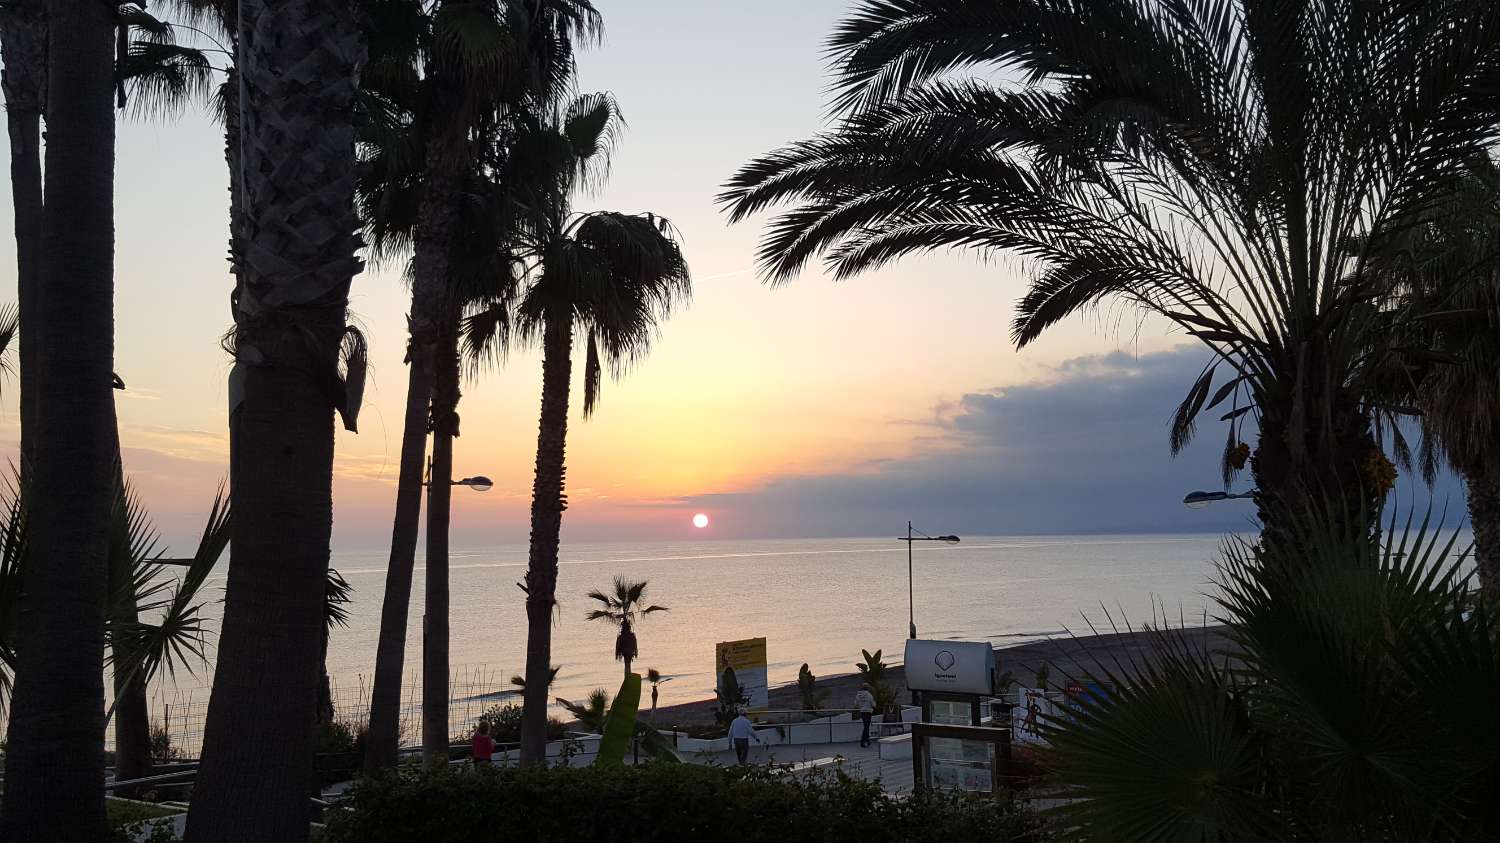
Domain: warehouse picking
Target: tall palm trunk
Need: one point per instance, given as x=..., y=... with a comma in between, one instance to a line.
x=435, y=639
x=547, y=505
x=54, y=767
x=299, y=68
x=434, y=229
x=384, y=734
x=1484, y=516
x=23, y=41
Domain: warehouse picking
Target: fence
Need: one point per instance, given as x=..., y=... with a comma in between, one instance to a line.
x=179, y=713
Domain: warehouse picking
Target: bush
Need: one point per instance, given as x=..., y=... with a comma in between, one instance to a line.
x=162, y=748
x=336, y=736
x=1359, y=704
x=505, y=724
x=656, y=802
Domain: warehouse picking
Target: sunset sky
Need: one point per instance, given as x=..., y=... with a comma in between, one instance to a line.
x=813, y=409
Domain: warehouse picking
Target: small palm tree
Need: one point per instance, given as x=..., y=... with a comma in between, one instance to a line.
x=656, y=679
x=622, y=609
x=592, y=712
x=519, y=681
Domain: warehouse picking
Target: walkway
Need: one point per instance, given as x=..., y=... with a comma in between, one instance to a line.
x=861, y=763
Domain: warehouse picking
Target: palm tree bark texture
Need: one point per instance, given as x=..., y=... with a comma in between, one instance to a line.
x=54, y=764
x=299, y=69
x=547, y=505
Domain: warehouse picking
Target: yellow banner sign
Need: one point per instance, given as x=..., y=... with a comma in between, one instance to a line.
x=747, y=658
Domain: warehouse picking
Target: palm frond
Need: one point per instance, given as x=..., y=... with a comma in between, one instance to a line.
x=176, y=639
x=163, y=79
x=10, y=327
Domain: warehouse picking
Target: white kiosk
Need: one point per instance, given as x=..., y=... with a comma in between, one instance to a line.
x=950, y=749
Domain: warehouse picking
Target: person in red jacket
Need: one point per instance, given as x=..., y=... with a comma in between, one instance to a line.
x=484, y=745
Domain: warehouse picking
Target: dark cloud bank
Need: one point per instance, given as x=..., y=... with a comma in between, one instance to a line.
x=1083, y=452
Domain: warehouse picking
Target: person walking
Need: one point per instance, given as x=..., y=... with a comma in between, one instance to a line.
x=484, y=746
x=740, y=733
x=864, y=701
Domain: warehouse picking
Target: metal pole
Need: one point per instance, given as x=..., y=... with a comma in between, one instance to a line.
x=911, y=603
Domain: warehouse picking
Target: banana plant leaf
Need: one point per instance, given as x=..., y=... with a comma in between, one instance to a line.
x=619, y=727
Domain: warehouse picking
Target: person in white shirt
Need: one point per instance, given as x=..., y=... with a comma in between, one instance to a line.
x=740, y=732
x=865, y=702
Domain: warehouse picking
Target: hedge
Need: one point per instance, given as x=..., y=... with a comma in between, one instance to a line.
x=656, y=802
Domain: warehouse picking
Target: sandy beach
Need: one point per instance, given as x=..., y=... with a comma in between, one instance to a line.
x=1066, y=657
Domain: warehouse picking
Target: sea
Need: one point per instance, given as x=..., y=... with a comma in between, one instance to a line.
x=815, y=601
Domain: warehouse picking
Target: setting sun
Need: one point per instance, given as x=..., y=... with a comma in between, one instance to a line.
x=700, y=520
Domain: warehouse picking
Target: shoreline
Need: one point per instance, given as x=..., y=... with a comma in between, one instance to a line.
x=1072, y=656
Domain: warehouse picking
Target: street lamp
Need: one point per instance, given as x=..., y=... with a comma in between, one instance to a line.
x=478, y=482
x=910, y=537
x=1198, y=500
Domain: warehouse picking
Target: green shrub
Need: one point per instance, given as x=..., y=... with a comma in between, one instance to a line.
x=656, y=802
x=336, y=736
x=1359, y=704
x=813, y=697
x=505, y=724
x=162, y=748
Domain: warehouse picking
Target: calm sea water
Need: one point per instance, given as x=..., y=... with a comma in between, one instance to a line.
x=818, y=601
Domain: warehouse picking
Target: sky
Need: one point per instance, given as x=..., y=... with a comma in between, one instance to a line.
x=813, y=409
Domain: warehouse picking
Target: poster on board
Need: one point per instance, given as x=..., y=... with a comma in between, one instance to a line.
x=747, y=658
x=1029, y=715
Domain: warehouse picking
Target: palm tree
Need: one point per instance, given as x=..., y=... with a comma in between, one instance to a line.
x=1201, y=163
x=475, y=69
x=298, y=79
x=592, y=712
x=139, y=586
x=656, y=679
x=54, y=770
x=608, y=276
x=1446, y=267
x=1326, y=723
x=622, y=609
x=23, y=41
x=612, y=276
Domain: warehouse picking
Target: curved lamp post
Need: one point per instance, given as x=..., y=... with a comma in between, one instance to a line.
x=910, y=537
x=1199, y=500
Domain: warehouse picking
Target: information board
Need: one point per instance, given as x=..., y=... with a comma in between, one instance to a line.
x=748, y=659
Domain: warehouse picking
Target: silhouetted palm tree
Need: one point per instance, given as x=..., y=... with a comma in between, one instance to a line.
x=1204, y=164
x=1446, y=267
x=609, y=277
x=622, y=608
x=592, y=712
x=656, y=679
x=481, y=61
x=295, y=363
x=54, y=770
